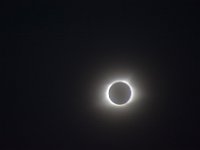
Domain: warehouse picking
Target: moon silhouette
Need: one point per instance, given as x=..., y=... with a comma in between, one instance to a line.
x=119, y=93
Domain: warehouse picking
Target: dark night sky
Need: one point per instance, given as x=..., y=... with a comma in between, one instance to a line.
x=55, y=54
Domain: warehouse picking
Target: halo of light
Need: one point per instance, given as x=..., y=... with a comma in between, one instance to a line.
x=120, y=81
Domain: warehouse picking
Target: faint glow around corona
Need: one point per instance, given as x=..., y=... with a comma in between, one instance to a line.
x=119, y=81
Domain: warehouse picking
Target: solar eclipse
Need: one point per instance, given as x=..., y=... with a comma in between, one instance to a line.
x=119, y=93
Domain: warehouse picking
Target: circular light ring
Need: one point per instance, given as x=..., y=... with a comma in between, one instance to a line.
x=119, y=81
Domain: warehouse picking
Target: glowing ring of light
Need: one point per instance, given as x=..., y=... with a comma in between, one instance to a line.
x=119, y=81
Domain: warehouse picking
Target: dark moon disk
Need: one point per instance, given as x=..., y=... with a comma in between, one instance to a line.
x=119, y=93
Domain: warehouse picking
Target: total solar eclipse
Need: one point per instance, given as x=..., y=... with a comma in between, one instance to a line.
x=119, y=93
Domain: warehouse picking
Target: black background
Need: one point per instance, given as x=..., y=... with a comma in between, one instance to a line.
x=54, y=52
